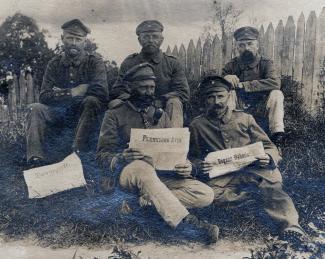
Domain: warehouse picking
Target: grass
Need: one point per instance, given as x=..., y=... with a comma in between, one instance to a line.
x=87, y=216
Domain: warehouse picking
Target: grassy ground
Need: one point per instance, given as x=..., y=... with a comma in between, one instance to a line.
x=87, y=216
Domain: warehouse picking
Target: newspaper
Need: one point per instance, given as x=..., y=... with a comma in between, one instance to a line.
x=46, y=180
x=167, y=147
x=230, y=160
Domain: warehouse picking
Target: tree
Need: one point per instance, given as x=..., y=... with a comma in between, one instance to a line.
x=22, y=46
x=225, y=16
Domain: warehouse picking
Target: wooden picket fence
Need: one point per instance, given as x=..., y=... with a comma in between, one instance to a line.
x=297, y=49
x=22, y=91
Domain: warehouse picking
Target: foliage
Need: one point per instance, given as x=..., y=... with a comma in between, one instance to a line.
x=23, y=46
x=225, y=17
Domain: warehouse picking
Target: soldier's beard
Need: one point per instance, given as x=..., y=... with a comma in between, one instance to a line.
x=150, y=49
x=141, y=101
x=72, y=51
x=247, y=56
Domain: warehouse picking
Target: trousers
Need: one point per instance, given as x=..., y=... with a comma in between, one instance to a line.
x=81, y=114
x=275, y=201
x=171, y=196
x=270, y=107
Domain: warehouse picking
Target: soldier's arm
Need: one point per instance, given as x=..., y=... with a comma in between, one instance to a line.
x=269, y=82
x=119, y=90
x=257, y=134
x=50, y=92
x=98, y=79
x=108, y=142
x=179, y=84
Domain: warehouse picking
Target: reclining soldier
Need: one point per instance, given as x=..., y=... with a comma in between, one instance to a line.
x=74, y=89
x=171, y=195
x=221, y=128
x=256, y=83
x=172, y=90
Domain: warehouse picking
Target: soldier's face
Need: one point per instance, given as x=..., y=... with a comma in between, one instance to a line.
x=145, y=87
x=247, y=48
x=150, y=41
x=73, y=44
x=216, y=102
x=143, y=92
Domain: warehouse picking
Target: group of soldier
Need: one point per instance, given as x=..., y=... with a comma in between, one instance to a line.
x=151, y=92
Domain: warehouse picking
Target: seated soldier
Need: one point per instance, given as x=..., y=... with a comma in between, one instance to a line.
x=256, y=83
x=172, y=90
x=171, y=195
x=223, y=128
x=74, y=91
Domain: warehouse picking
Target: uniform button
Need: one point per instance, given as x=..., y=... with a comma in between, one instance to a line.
x=71, y=81
x=227, y=140
x=71, y=74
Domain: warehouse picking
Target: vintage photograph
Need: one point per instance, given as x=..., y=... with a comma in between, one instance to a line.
x=137, y=129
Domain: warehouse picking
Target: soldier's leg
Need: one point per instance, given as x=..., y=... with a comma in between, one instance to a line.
x=275, y=111
x=278, y=204
x=226, y=192
x=174, y=109
x=191, y=193
x=142, y=177
x=90, y=109
x=39, y=116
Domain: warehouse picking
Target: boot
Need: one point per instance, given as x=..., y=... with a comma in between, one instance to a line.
x=212, y=230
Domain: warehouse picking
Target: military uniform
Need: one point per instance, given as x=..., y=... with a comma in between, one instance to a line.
x=237, y=129
x=261, y=94
x=58, y=108
x=171, y=81
x=171, y=195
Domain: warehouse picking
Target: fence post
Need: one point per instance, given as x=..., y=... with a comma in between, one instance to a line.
x=190, y=58
x=198, y=55
x=182, y=56
x=168, y=51
x=12, y=98
x=206, y=55
x=288, y=47
x=22, y=89
x=229, y=49
x=299, y=51
x=309, y=53
x=317, y=102
x=216, y=60
x=30, y=89
x=261, y=41
x=278, y=47
x=269, y=41
x=175, y=51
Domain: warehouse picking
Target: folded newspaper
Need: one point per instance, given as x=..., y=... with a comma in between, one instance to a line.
x=46, y=180
x=167, y=147
x=233, y=159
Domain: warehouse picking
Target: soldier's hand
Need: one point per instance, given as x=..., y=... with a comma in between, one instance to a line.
x=184, y=170
x=263, y=160
x=79, y=90
x=131, y=154
x=205, y=166
x=233, y=79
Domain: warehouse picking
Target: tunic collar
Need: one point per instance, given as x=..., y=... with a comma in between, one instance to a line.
x=133, y=107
